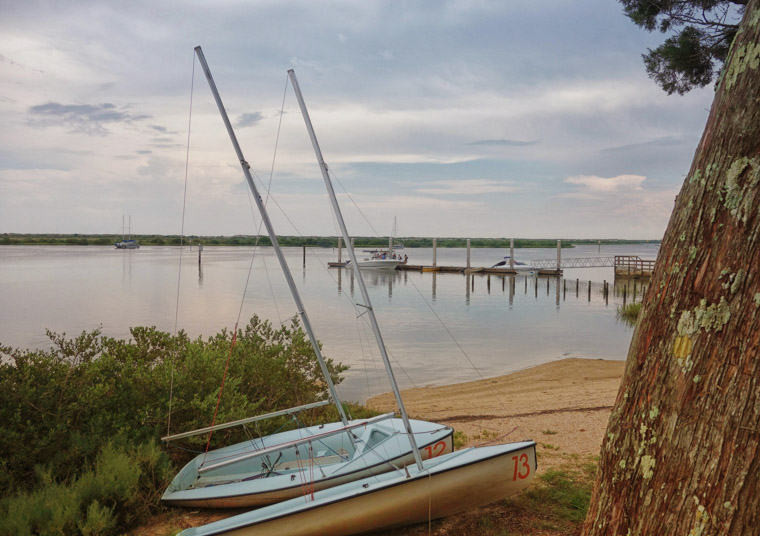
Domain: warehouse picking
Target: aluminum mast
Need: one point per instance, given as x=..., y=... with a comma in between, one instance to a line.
x=275, y=244
x=355, y=265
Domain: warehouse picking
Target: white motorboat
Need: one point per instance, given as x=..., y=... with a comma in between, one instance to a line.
x=507, y=262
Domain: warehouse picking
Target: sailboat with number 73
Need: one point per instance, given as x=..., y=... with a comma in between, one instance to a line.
x=428, y=489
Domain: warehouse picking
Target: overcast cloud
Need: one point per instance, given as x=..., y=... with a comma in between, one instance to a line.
x=459, y=118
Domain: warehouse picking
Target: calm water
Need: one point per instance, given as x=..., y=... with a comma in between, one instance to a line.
x=439, y=328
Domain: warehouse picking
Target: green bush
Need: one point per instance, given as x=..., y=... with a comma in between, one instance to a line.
x=79, y=422
x=119, y=491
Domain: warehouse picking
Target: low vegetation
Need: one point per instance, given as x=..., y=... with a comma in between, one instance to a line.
x=80, y=422
x=629, y=313
x=17, y=239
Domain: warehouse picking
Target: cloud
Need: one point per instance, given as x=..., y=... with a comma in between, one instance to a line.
x=467, y=187
x=595, y=184
x=85, y=118
x=658, y=143
x=249, y=120
x=506, y=143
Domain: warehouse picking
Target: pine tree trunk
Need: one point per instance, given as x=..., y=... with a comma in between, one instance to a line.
x=682, y=451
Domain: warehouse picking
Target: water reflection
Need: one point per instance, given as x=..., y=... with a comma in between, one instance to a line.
x=500, y=328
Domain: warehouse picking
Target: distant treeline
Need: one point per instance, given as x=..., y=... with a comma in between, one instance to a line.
x=13, y=239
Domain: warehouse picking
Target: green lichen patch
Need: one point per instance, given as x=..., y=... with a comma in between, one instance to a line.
x=746, y=57
x=701, y=520
x=738, y=195
x=709, y=318
x=647, y=466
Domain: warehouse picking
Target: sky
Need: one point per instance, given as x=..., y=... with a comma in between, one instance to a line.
x=454, y=118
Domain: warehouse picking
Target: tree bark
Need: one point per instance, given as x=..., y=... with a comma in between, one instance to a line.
x=682, y=450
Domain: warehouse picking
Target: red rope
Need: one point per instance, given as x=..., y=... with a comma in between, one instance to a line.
x=221, y=389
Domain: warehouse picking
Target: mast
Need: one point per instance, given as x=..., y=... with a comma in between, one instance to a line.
x=355, y=265
x=273, y=237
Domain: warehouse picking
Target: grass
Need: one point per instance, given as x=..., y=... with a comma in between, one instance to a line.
x=629, y=313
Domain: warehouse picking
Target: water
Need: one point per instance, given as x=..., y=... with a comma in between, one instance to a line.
x=439, y=328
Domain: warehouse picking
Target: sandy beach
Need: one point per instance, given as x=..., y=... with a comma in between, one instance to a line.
x=563, y=406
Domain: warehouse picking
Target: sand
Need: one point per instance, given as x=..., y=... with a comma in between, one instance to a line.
x=563, y=406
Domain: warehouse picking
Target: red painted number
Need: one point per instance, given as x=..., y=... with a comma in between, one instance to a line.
x=522, y=468
x=435, y=450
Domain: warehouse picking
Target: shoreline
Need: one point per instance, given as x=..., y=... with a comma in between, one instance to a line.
x=563, y=406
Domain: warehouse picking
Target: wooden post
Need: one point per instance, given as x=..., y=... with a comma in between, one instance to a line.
x=200, y=250
x=625, y=294
x=559, y=255
x=634, y=290
x=468, y=253
x=435, y=248
x=589, y=291
x=606, y=293
x=304, y=256
x=488, y=283
x=340, y=248
x=512, y=253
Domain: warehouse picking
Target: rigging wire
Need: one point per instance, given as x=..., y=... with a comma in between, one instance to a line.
x=247, y=281
x=440, y=321
x=181, y=248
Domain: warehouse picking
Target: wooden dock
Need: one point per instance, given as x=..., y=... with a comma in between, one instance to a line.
x=472, y=270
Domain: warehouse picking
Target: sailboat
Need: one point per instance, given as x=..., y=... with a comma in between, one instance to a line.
x=428, y=489
x=274, y=468
x=395, y=242
x=126, y=236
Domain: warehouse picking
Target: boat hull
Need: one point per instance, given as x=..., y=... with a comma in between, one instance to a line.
x=251, y=490
x=448, y=485
x=379, y=264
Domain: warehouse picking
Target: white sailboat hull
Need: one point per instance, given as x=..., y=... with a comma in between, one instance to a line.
x=244, y=484
x=447, y=485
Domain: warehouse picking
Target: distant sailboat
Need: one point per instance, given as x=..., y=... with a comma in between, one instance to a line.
x=126, y=236
x=397, y=244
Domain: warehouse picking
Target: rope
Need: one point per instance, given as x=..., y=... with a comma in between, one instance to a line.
x=181, y=248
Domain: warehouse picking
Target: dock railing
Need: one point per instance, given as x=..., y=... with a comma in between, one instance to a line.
x=632, y=264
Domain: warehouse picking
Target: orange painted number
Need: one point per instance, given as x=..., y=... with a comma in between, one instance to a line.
x=435, y=450
x=522, y=468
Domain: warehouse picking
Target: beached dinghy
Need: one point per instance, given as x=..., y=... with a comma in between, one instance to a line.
x=274, y=468
x=446, y=485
